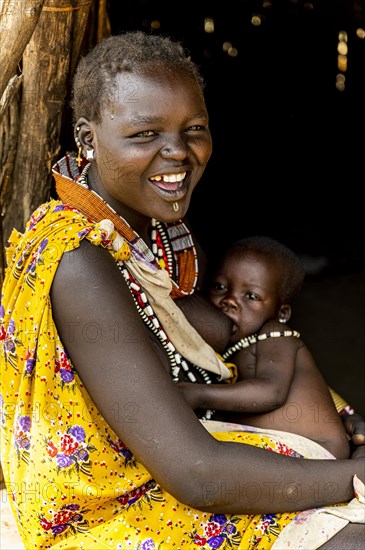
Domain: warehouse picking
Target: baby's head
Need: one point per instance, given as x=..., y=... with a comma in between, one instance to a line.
x=275, y=256
x=256, y=281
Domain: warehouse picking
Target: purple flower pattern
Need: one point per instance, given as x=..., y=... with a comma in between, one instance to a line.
x=217, y=532
x=69, y=517
x=22, y=437
x=72, y=450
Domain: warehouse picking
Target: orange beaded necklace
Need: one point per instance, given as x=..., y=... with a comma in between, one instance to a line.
x=169, y=239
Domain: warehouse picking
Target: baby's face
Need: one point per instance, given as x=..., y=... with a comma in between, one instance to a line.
x=246, y=289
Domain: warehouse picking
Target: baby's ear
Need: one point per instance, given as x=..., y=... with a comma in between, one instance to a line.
x=284, y=313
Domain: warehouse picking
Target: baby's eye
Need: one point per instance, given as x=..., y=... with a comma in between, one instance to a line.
x=252, y=296
x=219, y=287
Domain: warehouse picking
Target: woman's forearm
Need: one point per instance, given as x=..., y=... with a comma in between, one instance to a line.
x=271, y=483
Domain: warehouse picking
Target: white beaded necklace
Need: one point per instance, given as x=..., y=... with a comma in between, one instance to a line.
x=253, y=338
x=148, y=316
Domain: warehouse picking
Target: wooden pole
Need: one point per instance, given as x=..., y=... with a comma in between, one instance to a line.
x=103, y=23
x=50, y=41
x=9, y=134
x=46, y=70
x=17, y=23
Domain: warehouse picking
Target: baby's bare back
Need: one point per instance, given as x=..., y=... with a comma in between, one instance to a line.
x=308, y=410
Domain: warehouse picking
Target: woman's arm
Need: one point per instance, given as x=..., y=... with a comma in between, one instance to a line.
x=121, y=368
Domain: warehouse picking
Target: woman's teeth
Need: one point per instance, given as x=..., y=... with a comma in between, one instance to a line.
x=164, y=181
x=170, y=178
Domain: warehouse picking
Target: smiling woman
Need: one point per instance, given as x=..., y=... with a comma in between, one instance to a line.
x=153, y=163
x=95, y=339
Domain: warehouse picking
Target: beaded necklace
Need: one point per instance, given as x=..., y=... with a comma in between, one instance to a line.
x=253, y=338
x=161, y=248
x=177, y=361
x=133, y=238
x=178, y=249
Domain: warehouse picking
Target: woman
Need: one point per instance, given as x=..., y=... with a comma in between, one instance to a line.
x=100, y=448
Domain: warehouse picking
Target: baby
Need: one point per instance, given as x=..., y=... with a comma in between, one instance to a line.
x=279, y=385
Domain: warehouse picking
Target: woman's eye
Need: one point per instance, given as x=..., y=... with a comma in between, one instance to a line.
x=196, y=128
x=146, y=133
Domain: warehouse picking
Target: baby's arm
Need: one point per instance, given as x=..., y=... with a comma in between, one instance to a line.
x=273, y=370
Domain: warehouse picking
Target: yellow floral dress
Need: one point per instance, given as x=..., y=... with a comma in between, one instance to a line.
x=72, y=482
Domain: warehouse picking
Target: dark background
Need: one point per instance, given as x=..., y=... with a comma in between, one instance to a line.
x=288, y=146
x=288, y=157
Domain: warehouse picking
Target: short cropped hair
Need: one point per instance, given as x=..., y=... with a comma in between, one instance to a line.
x=274, y=251
x=130, y=52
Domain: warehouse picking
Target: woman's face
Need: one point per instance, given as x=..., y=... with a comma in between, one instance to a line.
x=151, y=145
x=246, y=289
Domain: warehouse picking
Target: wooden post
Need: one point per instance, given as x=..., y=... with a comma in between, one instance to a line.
x=46, y=69
x=50, y=41
x=18, y=20
x=9, y=135
x=17, y=23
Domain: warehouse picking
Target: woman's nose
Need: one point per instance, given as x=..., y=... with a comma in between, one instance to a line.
x=175, y=149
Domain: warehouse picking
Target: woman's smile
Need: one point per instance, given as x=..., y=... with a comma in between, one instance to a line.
x=172, y=186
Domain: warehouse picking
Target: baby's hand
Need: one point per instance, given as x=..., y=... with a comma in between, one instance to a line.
x=359, y=452
x=355, y=428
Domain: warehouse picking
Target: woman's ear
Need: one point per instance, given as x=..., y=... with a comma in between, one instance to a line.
x=84, y=135
x=284, y=313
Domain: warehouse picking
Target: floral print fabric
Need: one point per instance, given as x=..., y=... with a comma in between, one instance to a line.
x=71, y=480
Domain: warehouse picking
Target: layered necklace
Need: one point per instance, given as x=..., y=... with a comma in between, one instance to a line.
x=174, y=236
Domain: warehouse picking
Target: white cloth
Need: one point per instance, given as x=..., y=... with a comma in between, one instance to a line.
x=312, y=528
x=188, y=342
